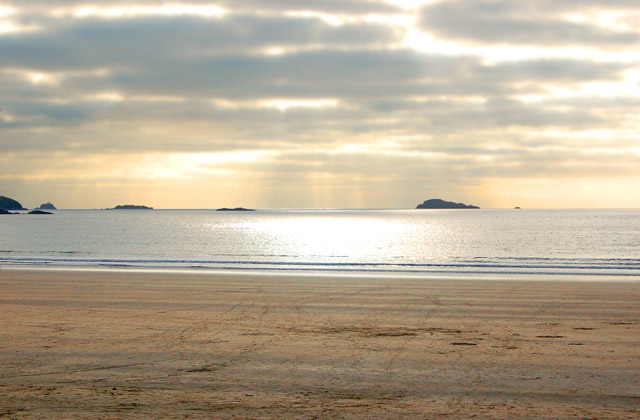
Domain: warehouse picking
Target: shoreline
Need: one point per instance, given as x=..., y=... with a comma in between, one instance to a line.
x=316, y=273
x=138, y=344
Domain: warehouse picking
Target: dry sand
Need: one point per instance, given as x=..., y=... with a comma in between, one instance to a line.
x=109, y=345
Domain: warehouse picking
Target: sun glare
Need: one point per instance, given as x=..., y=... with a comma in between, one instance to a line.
x=41, y=78
x=611, y=89
x=222, y=157
x=106, y=96
x=409, y=4
x=285, y=104
x=131, y=11
x=6, y=11
x=7, y=26
x=340, y=236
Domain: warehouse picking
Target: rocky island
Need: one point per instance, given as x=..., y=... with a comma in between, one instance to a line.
x=39, y=212
x=235, y=209
x=130, y=207
x=436, y=203
x=7, y=203
x=47, y=206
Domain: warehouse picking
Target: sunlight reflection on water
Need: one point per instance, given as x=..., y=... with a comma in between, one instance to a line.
x=497, y=241
x=352, y=237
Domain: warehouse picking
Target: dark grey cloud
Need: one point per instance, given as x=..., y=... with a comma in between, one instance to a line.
x=558, y=70
x=504, y=112
x=522, y=23
x=303, y=75
x=351, y=76
x=326, y=6
x=127, y=43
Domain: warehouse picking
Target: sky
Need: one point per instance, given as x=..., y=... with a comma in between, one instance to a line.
x=320, y=103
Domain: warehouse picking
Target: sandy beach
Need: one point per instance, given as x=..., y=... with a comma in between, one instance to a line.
x=118, y=344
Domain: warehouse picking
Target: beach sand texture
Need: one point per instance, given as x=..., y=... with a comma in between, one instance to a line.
x=114, y=344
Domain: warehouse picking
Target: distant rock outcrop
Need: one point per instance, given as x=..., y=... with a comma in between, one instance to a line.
x=235, y=209
x=436, y=203
x=3, y=211
x=7, y=203
x=130, y=207
x=39, y=212
x=47, y=206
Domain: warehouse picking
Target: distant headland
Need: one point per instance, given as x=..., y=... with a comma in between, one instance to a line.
x=436, y=203
x=7, y=203
x=130, y=207
x=235, y=209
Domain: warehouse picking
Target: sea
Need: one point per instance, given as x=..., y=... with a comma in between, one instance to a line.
x=581, y=244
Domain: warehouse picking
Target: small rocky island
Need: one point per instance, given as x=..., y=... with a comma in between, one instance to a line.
x=130, y=207
x=47, y=206
x=235, y=209
x=436, y=203
x=7, y=203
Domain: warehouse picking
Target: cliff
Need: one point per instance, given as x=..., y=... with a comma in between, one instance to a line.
x=436, y=203
x=7, y=203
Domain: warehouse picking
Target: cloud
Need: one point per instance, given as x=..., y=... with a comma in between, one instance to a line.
x=108, y=43
x=350, y=76
x=323, y=99
x=524, y=23
x=326, y=6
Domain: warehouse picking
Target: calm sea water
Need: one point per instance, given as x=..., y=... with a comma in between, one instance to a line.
x=545, y=242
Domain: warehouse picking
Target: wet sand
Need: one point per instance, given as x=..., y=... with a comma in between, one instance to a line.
x=134, y=345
